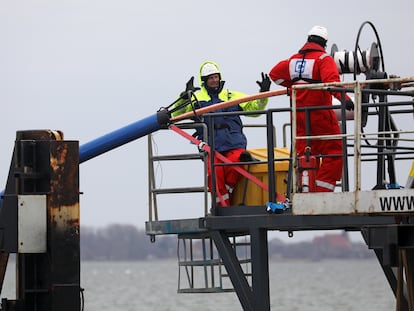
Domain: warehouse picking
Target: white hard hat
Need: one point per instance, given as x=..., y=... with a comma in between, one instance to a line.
x=209, y=69
x=319, y=31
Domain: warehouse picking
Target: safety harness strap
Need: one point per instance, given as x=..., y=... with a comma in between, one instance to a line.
x=308, y=80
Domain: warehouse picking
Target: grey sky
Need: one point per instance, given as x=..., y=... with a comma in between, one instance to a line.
x=90, y=67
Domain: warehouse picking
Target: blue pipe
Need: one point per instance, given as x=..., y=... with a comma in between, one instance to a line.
x=122, y=136
x=119, y=137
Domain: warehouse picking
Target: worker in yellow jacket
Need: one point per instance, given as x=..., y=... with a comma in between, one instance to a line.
x=229, y=138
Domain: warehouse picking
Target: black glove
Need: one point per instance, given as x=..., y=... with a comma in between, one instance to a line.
x=265, y=83
x=349, y=105
x=189, y=88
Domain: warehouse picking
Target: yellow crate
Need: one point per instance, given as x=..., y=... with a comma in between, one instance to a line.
x=255, y=195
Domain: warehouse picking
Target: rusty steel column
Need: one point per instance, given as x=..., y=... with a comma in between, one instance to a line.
x=63, y=226
x=47, y=166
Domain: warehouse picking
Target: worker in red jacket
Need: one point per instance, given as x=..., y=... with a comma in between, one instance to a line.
x=313, y=65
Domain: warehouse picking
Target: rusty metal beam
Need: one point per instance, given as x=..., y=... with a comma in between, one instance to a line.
x=45, y=165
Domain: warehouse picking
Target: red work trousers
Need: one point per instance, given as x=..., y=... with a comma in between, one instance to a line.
x=226, y=177
x=322, y=122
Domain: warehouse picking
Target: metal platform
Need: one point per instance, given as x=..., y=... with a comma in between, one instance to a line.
x=383, y=214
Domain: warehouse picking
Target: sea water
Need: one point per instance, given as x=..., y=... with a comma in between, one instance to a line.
x=294, y=285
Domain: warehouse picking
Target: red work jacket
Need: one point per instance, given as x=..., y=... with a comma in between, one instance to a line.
x=311, y=65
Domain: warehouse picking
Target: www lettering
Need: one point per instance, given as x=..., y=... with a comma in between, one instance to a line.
x=404, y=203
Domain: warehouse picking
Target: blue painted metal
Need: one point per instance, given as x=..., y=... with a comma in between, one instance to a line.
x=278, y=207
x=393, y=186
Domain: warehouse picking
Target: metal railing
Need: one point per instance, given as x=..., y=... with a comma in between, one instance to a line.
x=386, y=137
x=154, y=191
x=382, y=146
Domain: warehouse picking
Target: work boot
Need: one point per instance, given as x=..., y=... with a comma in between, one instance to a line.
x=245, y=156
